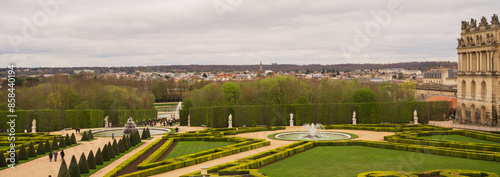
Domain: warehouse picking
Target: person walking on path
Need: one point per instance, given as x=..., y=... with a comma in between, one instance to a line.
x=62, y=154
x=50, y=156
x=112, y=136
x=55, y=156
x=176, y=129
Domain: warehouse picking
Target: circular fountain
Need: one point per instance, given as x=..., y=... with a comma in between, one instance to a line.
x=313, y=133
x=129, y=128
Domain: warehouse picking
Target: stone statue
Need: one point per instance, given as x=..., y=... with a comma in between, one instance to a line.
x=291, y=119
x=483, y=22
x=33, y=126
x=473, y=23
x=459, y=42
x=415, y=118
x=230, y=121
x=189, y=120
x=354, y=120
x=494, y=19
x=465, y=25
x=106, y=125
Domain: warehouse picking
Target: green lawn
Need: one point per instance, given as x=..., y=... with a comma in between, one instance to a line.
x=459, y=138
x=4, y=147
x=189, y=147
x=348, y=161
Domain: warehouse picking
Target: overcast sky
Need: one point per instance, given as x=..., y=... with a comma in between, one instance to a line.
x=165, y=32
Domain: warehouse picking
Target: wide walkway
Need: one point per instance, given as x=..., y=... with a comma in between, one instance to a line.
x=43, y=167
x=363, y=135
x=452, y=124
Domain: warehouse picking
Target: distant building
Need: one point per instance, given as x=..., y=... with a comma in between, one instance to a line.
x=444, y=76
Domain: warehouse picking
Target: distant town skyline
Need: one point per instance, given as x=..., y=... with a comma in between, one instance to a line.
x=64, y=33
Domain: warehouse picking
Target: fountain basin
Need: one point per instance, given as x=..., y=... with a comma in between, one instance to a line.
x=304, y=136
x=119, y=131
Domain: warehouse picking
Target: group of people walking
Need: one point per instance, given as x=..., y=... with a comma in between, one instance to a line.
x=54, y=154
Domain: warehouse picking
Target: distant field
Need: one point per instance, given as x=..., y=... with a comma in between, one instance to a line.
x=459, y=138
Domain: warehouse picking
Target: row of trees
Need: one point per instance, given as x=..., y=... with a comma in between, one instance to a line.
x=63, y=92
x=288, y=90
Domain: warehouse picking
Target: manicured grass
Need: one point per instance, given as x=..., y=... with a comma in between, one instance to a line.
x=189, y=147
x=106, y=163
x=459, y=138
x=345, y=161
x=4, y=147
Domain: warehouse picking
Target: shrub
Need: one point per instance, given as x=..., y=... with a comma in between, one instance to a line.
x=31, y=150
x=3, y=161
x=91, y=135
x=91, y=160
x=68, y=140
x=63, y=170
x=83, y=165
x=105, y=153
x=143, y=136
x=85, y=137
x=73, y=138
x=62, y=143
x=111, y=151
x=41, y=149
x=23, y=155
x=137, y=138
x=54, y=144
x=74, y=170
x=121, y=147
x=99, y=160
x=115, y=147
x=132, y=140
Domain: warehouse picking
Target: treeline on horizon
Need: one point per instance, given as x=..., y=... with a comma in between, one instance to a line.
x=290, y=90
x=83, y=91
x=231, y=68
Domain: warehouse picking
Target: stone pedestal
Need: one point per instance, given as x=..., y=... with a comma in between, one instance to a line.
x=354, y=120
x=33, y=129
x=230, y=121
x=291, y=119
x=106, y=125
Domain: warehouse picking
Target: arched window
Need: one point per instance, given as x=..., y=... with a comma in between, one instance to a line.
x=464, y=88
x=483, y=115
x=464, y=112
x=473, y=89
x=483, y=89
x=472, y=114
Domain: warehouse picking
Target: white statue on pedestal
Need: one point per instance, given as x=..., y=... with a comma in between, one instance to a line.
x=354, y=120
x=33, y=126
x=189, y=120
x=106, y=125
x=415, y=118
x=230, y=121
x=291, y=119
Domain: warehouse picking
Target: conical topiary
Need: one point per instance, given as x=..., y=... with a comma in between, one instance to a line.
x=105, y=153
x=3, y=161
x=138, y=138
x=149, y=133
x=62, y=142
x=85, y=136
x=98, y=157
x=68, y=140
x=84, y=166
x=16, y=158
x=144, y=132
x=91, y=160
x=74, y=169
x=23, y=155
x=127, y=140
x=116, y=148
x=48, y=148
x=111, y=151
x=91, y=135
x=73, y=138
x=63, y=170
x=31, y=150
x=132, y=140
x=121, y=148
x=41, y=149
x=55, y=146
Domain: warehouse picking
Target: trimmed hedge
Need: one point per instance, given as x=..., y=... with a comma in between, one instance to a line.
x=341, y=113
x=444, y=173
x=53, y=120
